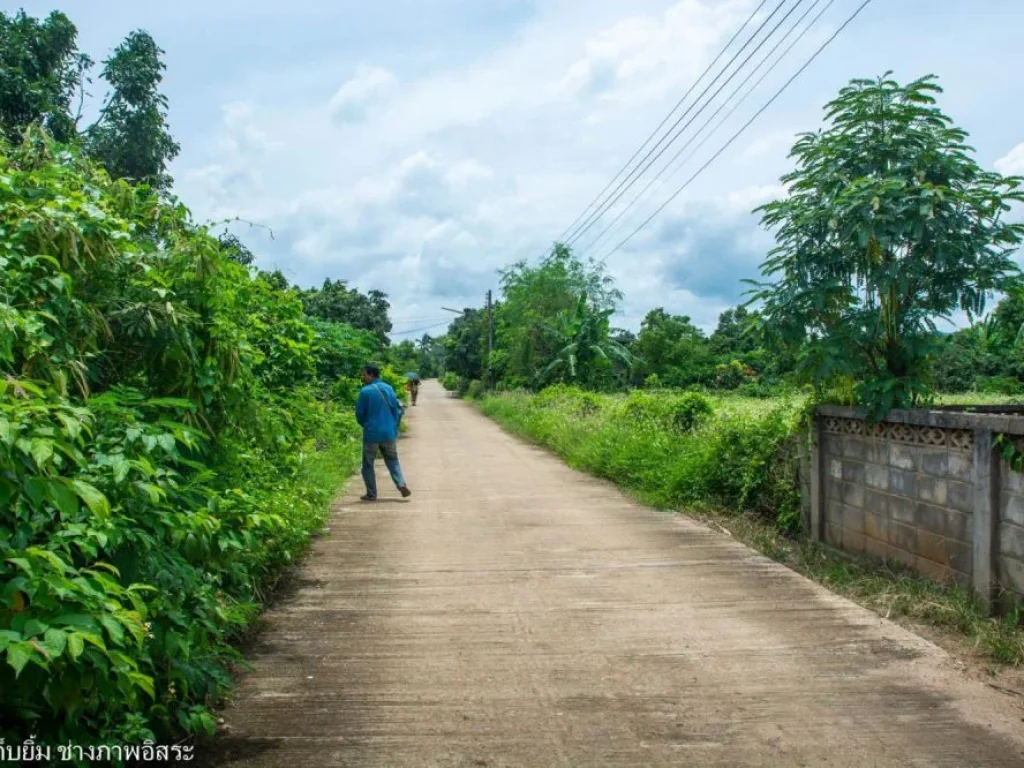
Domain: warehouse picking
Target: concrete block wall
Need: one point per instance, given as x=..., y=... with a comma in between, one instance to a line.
x=1010, y=554
x=925, y=488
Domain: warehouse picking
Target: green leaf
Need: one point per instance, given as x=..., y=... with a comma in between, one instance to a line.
x=79, y=620
x=121, y=466
x=92, y=497
x=114, y=629
x=35, y=489
x=63, y=498
x=8, y=491
x=7, y=637
x=55, y=641
x=75, y=645
x=34, y=627
x=144, y=682
x=42, y=451
x=23, y=564
x=50, y=557
x=18, y=656
x=171, y=402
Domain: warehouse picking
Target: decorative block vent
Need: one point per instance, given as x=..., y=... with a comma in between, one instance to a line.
x=954, y=439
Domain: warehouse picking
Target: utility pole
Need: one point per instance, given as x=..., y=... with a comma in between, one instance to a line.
x=490, y=340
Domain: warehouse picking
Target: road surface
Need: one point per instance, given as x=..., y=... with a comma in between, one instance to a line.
x=514, y=612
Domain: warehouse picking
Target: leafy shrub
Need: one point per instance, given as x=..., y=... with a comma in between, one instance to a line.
x=675, y=450
x=688, y=411
x=678, y=413
x=475, y=390
x=463, y=386
x=168, y=443
x=450, y=381
x=572, y=398
x=1001, y=385
x=758, y=389
x=732, y=375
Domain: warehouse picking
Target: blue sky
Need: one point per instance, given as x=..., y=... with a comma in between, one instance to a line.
x=418, y=146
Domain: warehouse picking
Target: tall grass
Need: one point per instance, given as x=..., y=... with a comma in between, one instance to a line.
x=672, y=449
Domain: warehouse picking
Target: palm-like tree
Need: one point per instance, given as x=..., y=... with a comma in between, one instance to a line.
x=581, y=337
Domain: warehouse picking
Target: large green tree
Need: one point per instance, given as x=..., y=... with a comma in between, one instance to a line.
x=888, y=224
x=132, y=138
x=584, y=352
x=41, y=71
x=337, y=302
x=431, y=356
x=672, y=349
x=533, y=296
x=465, y=344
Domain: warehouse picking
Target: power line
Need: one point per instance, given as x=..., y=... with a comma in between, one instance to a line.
x=597, y=241
x=446, y=321
x=743, y=128
x=634, y=176
x=653, y=133
x=420, y=319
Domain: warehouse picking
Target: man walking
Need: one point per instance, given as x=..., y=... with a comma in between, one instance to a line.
x=379, y=413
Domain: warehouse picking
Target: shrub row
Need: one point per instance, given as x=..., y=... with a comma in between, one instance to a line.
x=168, y=442
x=675, y=449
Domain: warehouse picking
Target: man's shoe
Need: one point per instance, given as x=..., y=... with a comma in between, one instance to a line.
x=406, y=493
x=367, y=497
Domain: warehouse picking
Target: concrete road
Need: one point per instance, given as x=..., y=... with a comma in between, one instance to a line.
x=517, y=613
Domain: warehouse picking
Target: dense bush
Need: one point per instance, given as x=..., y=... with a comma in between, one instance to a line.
x=168, y=442
x=676, y=450
x=450, y=381
x=475, y=390
x=676, y=412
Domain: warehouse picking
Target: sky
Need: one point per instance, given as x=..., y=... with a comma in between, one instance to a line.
x=420, y=146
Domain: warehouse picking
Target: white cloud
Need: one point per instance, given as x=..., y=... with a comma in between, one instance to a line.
x=368, y=87
x=1012, y=163
x=450, y=156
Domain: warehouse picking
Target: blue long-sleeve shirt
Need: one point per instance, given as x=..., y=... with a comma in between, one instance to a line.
x=378, y=412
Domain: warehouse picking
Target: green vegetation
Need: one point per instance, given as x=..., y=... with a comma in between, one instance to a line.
x=45, y=78
x=168, y=442
x=888, y=225
x=173, y=422
x=675, y=450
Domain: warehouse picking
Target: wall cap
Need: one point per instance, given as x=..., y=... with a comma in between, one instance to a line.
x=1005, y=422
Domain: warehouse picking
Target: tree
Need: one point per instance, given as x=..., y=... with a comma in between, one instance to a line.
x=888, y=224
x=337, y=302
x=585, y=354
x=235, y=249
x=1009, y=313
x=404, y=356
x=735, y=333
x=672, y=348
x=533, y=296
x=431, y=356
x=132, y=138
x=464, y=344
x=41, y=70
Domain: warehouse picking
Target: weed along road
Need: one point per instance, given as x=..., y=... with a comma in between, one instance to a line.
x=515, y=612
